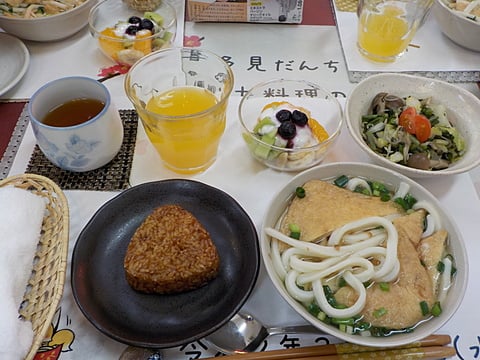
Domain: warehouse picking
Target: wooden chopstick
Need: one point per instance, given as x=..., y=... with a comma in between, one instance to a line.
x=425, y=353
x=432, y=344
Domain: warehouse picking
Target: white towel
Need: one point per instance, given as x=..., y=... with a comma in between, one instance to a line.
x=21, y=215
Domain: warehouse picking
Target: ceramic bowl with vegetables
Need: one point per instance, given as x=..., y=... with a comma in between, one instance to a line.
x=125, y=34
x=33, y=20
x=365, y=254
x=459, y=20
x=289, y=125
x=417, y=126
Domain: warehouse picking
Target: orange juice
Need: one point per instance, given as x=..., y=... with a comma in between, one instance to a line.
x=384, y=35
x=188, y=129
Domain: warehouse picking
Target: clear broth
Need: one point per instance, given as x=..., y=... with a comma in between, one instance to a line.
x=73, y=112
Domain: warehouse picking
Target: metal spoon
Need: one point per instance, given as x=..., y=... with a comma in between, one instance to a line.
x=244, y=333
x=137, y=353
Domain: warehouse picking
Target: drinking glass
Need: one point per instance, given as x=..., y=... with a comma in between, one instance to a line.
x=181, y=96
x=386, y=27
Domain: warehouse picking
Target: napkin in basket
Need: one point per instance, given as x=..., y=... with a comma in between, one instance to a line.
x=21, y=216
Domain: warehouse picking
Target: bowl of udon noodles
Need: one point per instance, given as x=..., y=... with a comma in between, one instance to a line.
x=44, y=20
x=364, y=254
x=459, y=20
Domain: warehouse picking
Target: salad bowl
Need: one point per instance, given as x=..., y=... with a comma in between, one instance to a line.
x=455, y=108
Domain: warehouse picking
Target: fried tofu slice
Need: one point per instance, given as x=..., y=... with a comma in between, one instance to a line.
x=431, y=251
x=326, y=207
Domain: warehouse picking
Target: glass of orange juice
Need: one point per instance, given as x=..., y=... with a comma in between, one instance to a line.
x=386, y=27
x=181, y=96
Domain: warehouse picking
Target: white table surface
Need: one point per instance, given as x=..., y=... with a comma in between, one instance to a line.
x=313, y=53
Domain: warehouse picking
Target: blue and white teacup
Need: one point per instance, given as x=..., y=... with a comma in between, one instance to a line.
x=82, y=147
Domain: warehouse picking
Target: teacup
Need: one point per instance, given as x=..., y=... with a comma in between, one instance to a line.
x=76, y=144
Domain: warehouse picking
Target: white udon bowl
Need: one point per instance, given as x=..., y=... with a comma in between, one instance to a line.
x=456, y=26
x=455, y=295
x=49, y=28
x=462, y=109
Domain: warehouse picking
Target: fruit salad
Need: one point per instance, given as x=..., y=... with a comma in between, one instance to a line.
x=286, y=135
x=128, y=41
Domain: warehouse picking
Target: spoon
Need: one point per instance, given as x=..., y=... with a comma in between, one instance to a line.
x=137, y=353
x=243, y=333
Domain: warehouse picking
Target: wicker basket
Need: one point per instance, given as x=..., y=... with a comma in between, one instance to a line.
x=45, y=287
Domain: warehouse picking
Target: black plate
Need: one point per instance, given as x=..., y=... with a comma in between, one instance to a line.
x=160, y=321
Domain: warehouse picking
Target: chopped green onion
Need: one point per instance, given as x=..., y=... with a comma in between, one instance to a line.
x=436, y=309
x=314, y=309
x=424, y=308
x=342, y=282
x=404, y=204
x=385, y=197
x=384, y=286
x=330, y=296
x=440, y=267
x=294, y=231
x=410, y=200
x=341, y=181
x=321, y=316
x=362, y=190
x=300, y=192
x=380, y=312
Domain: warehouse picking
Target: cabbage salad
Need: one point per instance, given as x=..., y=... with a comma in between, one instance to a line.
x=413, y=132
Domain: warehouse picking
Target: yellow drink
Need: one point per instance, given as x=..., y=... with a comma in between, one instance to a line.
x=385, y=35
x=188, y=128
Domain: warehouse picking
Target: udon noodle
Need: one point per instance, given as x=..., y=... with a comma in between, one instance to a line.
x=360, y=253
x=36, y=8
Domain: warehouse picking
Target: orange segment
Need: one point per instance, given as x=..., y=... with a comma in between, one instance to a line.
x=318, y=130
x=108, y=42
x=145, y=46
x=275, y=105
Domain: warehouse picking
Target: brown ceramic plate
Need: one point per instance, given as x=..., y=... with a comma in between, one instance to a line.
x=161, y=321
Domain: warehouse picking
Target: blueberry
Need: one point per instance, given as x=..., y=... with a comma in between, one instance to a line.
x=299, y=118
x=134, y=20
x=283, y=115
x=131, y=30
x=147, y=24
x=287, y=130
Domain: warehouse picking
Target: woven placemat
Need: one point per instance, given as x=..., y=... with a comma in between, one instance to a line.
x=113, y=176
x=346, y=5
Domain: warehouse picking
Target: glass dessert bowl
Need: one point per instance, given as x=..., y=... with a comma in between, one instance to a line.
x=289, y=125
x=125, y=34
